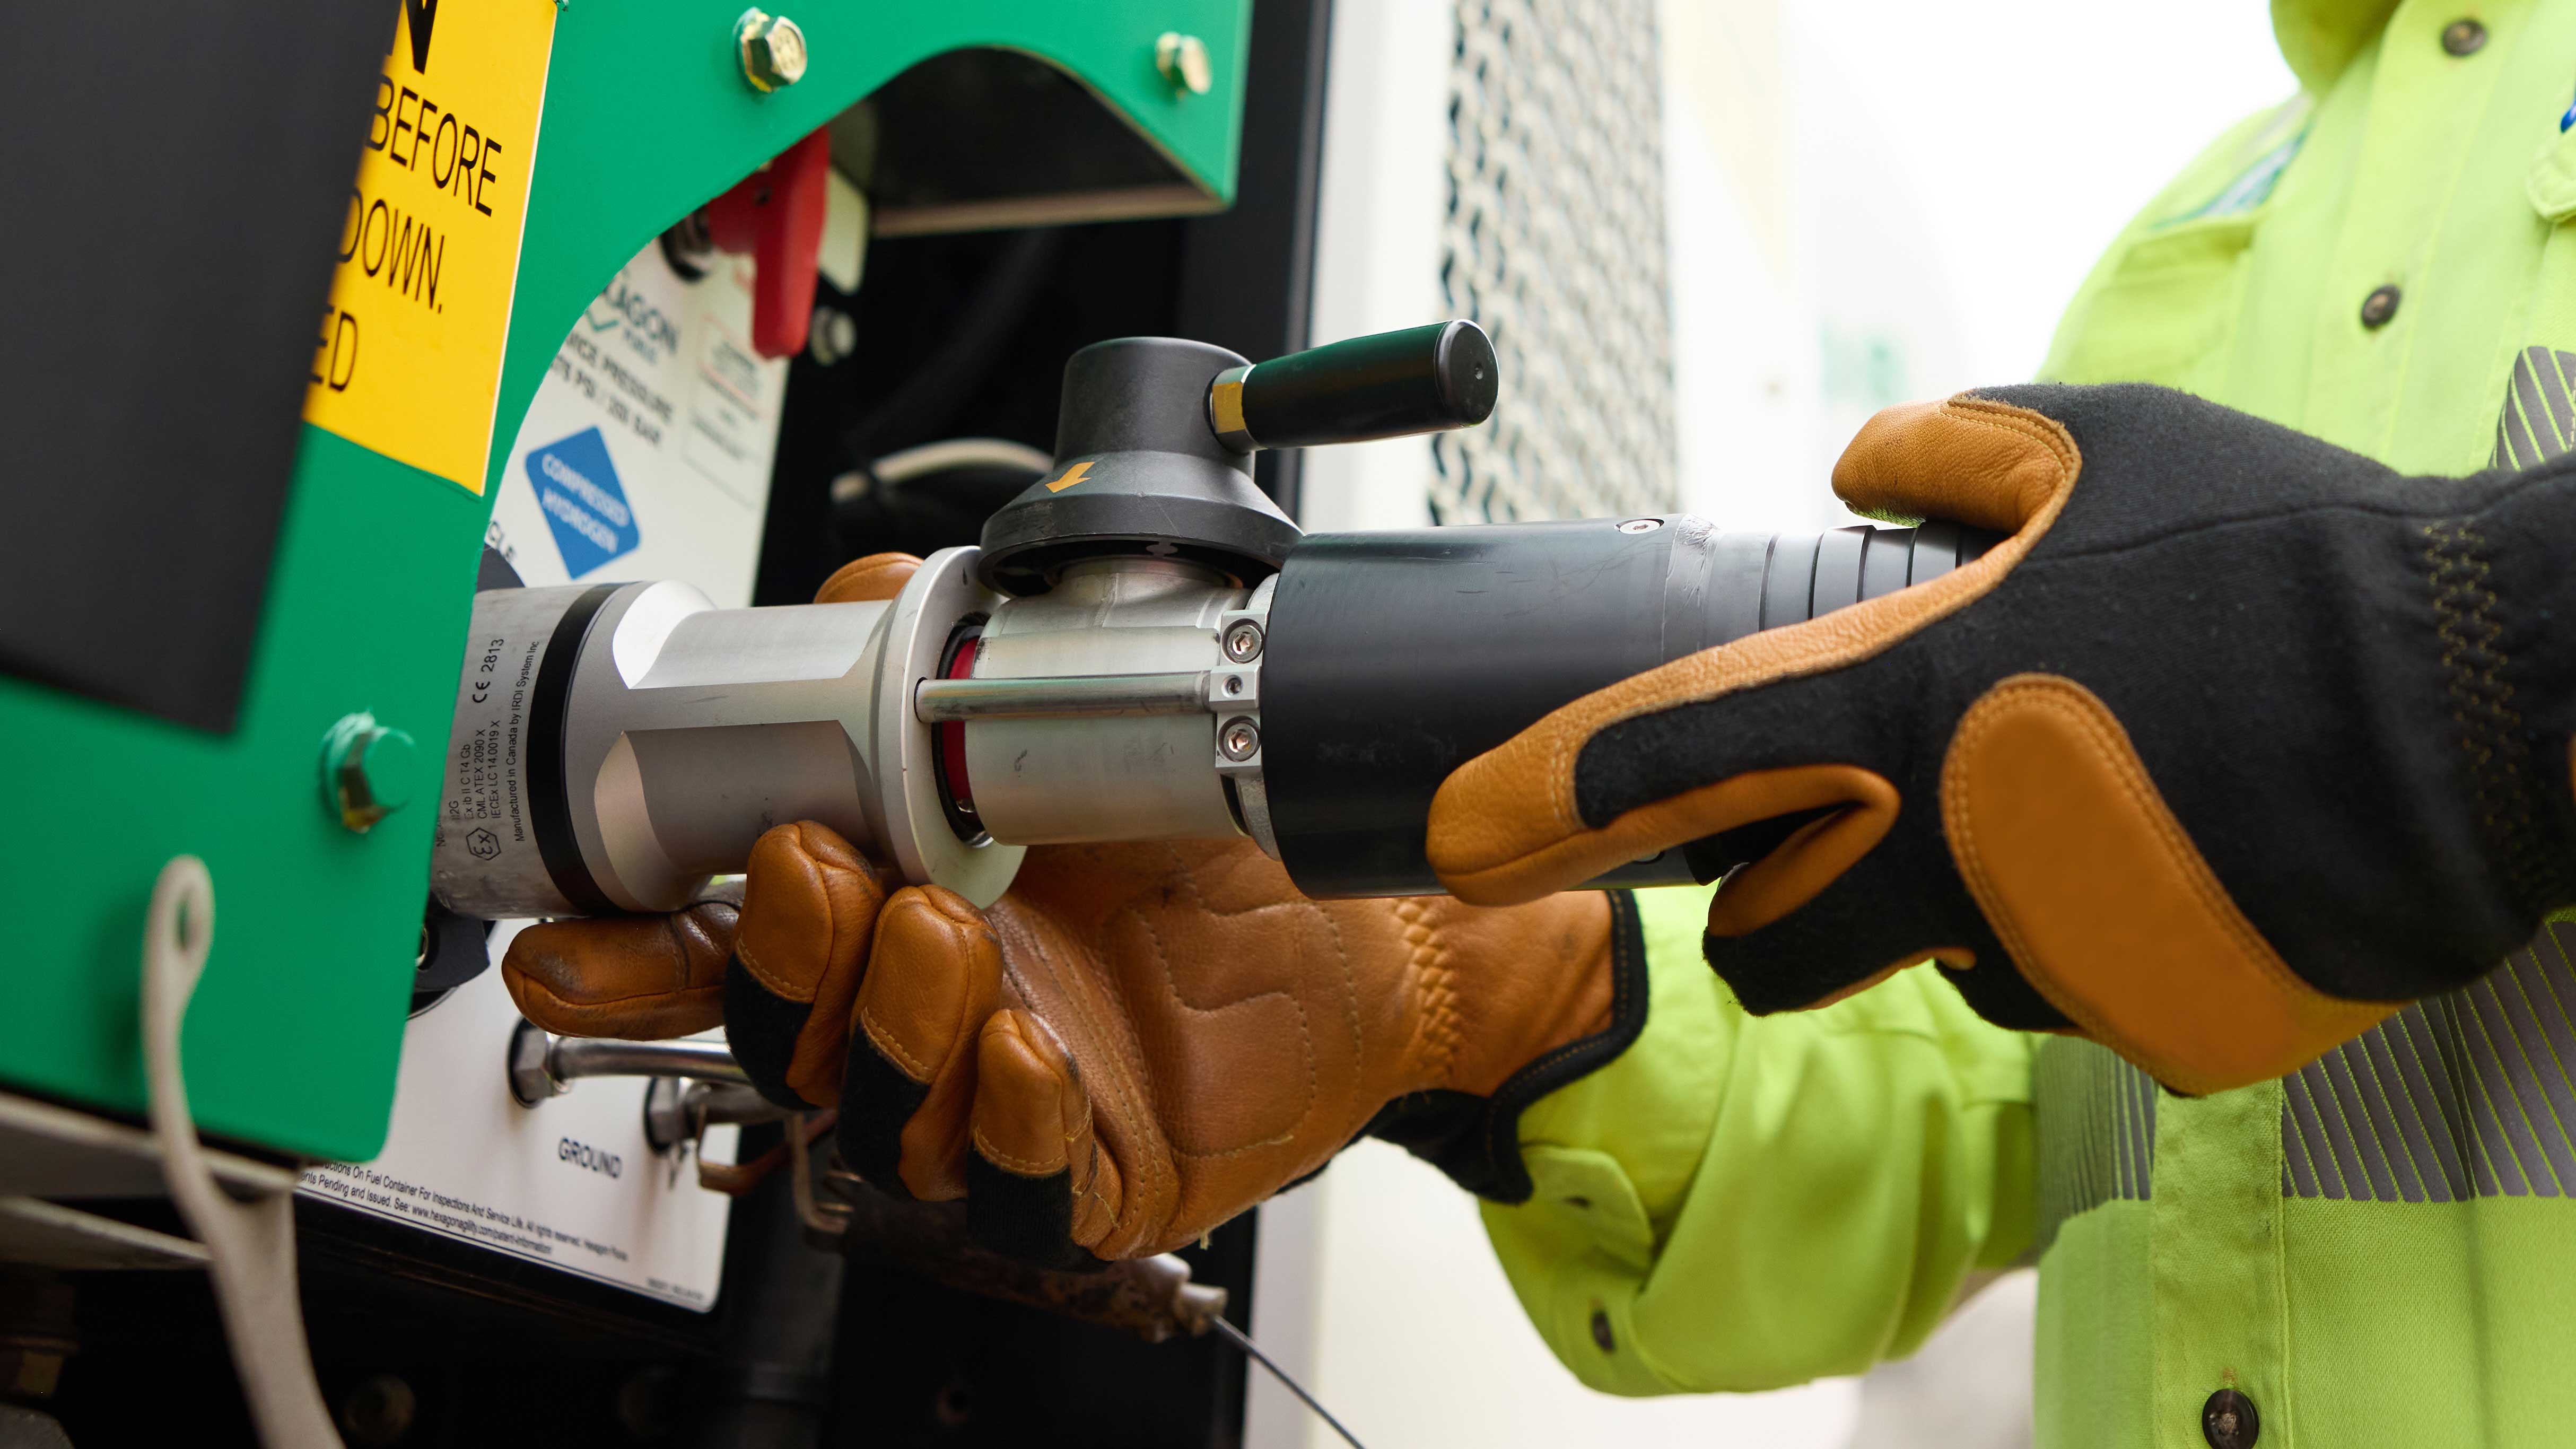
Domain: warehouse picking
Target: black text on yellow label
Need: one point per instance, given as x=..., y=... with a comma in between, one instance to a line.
x=407, y=360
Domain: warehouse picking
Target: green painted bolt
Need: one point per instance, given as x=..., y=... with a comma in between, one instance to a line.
x=368, y=770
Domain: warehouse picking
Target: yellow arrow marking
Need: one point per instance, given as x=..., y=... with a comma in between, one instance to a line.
x=1071, y=476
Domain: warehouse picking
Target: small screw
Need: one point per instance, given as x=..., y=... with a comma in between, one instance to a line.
x=1641, y=525
x=1239, y=740
x=1243, y=641
x=1183, y=60
x=1234, y=684
x=833, y=336
x=771, y=48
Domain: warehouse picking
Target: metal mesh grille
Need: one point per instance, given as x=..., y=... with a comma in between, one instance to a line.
x=1555, y=244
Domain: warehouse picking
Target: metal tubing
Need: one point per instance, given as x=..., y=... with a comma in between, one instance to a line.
x=575, y=1057
x=944, y=701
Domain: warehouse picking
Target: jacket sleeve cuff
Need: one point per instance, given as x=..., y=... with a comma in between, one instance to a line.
x=1745, y=1203
x=1477, y=1140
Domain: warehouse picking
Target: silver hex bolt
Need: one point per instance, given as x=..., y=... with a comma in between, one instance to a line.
x=530, y=1081
x=1183, y=60
x=1243, y=641
x=771, y=48
x=1238, y=739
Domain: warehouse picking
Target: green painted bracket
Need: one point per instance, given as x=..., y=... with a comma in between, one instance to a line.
x=292, y=1041
x=618, y=160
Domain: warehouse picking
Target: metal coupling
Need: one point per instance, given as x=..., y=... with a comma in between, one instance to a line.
x=771, y=48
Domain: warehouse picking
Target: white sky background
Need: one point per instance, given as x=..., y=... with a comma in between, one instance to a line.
x=2030, y=131
x=1928, y=180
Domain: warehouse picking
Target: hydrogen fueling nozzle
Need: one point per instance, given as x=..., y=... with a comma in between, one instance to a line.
x=1143, y=647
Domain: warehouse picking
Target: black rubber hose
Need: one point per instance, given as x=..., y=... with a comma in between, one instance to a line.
x=924, y=403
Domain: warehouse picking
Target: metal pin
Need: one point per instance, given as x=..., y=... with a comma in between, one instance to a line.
x=945, y=701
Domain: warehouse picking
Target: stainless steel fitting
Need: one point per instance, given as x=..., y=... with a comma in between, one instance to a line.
x=616, y=746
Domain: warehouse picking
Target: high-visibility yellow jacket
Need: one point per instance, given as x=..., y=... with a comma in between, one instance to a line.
x=2380, y=1249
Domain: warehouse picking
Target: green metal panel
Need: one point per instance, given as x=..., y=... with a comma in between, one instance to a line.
x=292, y=1040
x=646, y=117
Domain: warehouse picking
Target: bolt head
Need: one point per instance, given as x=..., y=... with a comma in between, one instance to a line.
x=771, y=48
x=530, y=1082
x=368, y=770
x=1243, y=641
x=1238, y=739
x=1641, y=525
x=1183, y=60
x=389, y=769
x=833, y=336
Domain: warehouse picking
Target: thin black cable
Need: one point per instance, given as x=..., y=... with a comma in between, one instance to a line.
x=1236, y=1336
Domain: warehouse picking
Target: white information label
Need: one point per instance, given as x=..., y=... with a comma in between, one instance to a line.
x=645, y=455
x=571, y=1182
x=646, y=452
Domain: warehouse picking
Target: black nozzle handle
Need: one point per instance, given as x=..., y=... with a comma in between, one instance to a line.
x=1389, y=385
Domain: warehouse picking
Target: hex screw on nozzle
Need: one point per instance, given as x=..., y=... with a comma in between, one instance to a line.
x=1239, y=740
x=1243, y=642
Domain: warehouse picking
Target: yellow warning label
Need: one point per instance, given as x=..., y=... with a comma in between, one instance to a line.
x=408, y=359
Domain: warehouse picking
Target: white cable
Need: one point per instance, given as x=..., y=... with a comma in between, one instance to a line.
x=250, y=1245
x=896, y=469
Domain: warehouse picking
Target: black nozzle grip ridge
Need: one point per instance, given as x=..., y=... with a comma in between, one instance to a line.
x=1389, y=385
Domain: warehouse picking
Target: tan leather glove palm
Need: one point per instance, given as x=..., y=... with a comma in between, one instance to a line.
x=1134, y=1044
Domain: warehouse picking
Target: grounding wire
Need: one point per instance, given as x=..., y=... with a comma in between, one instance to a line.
x=1237, y=1337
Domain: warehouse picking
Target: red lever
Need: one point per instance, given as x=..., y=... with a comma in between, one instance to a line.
x=776, y=216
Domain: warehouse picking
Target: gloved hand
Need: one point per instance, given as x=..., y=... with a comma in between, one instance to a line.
x=1134, y=1044
x=2239, y=740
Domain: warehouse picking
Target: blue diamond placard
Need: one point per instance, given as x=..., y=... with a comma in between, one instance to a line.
x=583, y=502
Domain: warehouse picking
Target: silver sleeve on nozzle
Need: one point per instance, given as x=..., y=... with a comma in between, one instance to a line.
x=617, y=745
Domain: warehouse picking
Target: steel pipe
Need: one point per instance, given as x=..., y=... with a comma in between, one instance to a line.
x=954, y=701
x=542, y=1065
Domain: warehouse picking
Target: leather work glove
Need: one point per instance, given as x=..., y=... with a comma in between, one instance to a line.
x=2236, y=743
x=1136, y=1043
